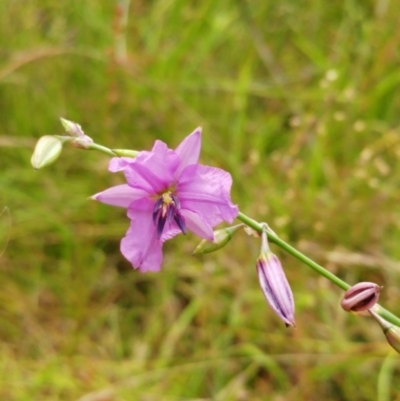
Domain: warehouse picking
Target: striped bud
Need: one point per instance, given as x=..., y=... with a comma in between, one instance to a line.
x=360, y=297
x=274, y=284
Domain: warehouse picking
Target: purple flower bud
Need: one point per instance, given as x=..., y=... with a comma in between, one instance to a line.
x=360, y=297
x=274, y=284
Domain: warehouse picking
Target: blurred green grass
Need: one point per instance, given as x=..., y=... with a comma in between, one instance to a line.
x=298, y=100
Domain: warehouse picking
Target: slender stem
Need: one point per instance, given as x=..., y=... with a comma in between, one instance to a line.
x=315, y=266
x=389, y=316
x=89, y=146
x=126, y=152
x=101, y=148
x=285, y=246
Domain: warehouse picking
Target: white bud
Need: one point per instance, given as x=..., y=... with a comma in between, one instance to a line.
x=47, y=150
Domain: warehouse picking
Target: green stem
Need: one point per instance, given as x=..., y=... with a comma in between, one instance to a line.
x=125, y=152
x=315, y=266
x=389, y=316
x=101, y=148
x=91, y=146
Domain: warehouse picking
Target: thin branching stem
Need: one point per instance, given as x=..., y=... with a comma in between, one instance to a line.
x=309, y=262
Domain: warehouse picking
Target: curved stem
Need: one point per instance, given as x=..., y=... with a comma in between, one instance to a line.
x=272, y=237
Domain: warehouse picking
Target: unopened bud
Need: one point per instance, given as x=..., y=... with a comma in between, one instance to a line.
x=221, y=238
x=360, y=297
x=391, y=331
x=274, y=283
x=71, y=128
x=47, y=150
x=74, y=130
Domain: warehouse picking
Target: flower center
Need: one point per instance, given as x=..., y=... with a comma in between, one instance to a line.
x=165, y=210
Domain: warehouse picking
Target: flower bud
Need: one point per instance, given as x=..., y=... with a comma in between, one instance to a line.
x=47, y=150
x=360, y=297
x=274, y=284
x=71, y=128
x=74, y=130
x=391, y=331
x=221, y=238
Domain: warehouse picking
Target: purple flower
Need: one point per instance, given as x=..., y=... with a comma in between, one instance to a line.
x=168, y=192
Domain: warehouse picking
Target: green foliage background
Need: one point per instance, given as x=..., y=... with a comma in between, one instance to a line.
x=299, y=100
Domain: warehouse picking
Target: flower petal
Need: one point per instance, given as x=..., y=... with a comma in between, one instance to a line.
x=194, y=223
x=119, y=163
x=189, y=150
x=206, y=190
x=197, y=224
x=120, y=195
x=153, y=171
x=140, y=244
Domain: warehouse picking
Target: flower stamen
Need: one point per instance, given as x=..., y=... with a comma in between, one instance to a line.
x=165, y=210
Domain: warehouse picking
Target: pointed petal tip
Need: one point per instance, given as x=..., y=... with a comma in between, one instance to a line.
x=197, y=131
